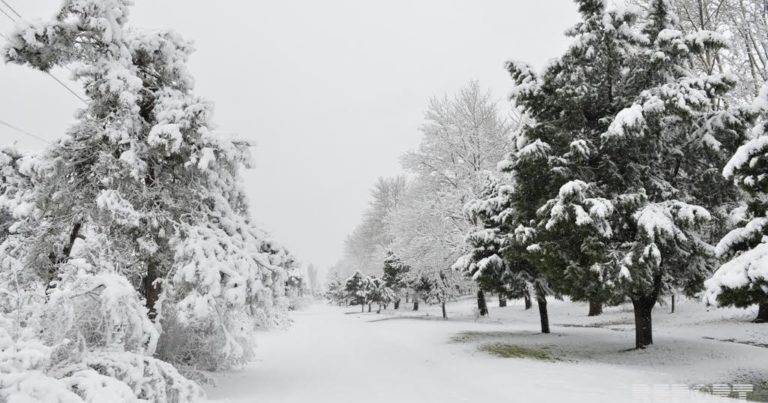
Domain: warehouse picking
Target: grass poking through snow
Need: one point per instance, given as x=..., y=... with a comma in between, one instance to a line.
x=511, y=351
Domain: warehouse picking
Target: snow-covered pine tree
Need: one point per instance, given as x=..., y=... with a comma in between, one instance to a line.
x=483, y=245
x=625, y=142
x=380, y=294
x=142, y=188
x=664, y=155
x=497, y=248
x=570, y=106
x=742, y=281
x=358, y=289
x=395, y=277
x=335, y=289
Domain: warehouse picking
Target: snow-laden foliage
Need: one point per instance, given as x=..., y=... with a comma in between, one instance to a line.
x=92, y=341
x=741, y=25
x=132, y=230
x=500, y=250
x=464, y=138
x=743, y=279
x=395, y=276
x=366, y=247
x=615, y=177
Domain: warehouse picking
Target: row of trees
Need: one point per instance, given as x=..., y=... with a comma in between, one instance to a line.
x=127, y=252
x=628, y=163
x=396, y=284
x=416, y=223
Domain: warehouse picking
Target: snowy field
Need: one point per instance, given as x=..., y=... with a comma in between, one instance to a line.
x=337, y=354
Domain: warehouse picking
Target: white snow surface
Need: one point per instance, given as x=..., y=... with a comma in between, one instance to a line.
x=337, y=354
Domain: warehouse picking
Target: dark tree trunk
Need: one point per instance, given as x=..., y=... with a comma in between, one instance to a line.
x=397, y=304
x=528, y=303
x=543, y=315
x=369, y=307
x=481, y=305
x=151, y=290
x=362, y=307
x=415, y=304
x=762, y=314
x=57, y=260
x=595, y=308
x=502, y=301
x=673, y=304
x=445, y=315
x=643, y=321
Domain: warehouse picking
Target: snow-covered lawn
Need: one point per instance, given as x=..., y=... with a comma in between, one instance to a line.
x=334, y=354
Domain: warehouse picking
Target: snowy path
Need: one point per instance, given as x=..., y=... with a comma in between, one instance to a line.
x=332, y=354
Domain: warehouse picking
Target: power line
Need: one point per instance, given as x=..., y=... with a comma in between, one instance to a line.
x=71, y=91
x=22, y=131
x=58, y=81
x=11, y=8
x=7, y=15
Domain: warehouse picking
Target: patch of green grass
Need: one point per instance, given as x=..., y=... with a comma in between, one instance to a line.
x=470, y=337
x=760, y=394
x=512, y=351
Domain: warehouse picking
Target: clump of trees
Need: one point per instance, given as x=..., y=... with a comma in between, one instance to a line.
x=611, y=190
x=626, y=164
x=127, y=249
x=415, y=228
x=363, y=290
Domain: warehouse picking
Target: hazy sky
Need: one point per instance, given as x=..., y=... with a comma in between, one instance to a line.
x=331, y=92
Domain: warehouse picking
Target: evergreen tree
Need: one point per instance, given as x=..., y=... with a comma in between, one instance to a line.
x=395, y=277
x=634, y=169
x=570, y=105
x=358, y=288
x=742, y=280
x=380, y=294
x=664, y=154
x=498, y=254
x=624, y=143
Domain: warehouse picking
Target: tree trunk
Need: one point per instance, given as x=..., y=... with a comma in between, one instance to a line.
x=379, y=310
x=762, y=314
x=643, y=321
x=445, y=315
x=57, y=260
x=397, y=304
x=369, y=307
x=673, y=304
x=543, y=315
x=595, y=308
x=481, y=305
x=362, y=307
x=502, y=301
x=415, y=304
x=151, y=290
x=407, y=298
x=528, y=303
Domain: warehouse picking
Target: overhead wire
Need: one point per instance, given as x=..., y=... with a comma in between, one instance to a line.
x=58, y=81
x=24, y=132
x=13, y=10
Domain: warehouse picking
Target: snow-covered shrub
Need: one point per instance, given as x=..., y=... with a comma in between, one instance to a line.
x=23, y=365
x=98, y=309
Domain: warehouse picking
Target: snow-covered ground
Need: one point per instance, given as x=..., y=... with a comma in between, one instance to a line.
x=334, y=354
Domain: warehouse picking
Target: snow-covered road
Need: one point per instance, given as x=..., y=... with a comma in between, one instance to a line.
x=337, y=355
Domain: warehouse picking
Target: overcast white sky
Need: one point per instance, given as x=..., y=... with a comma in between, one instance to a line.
x=331, y=92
